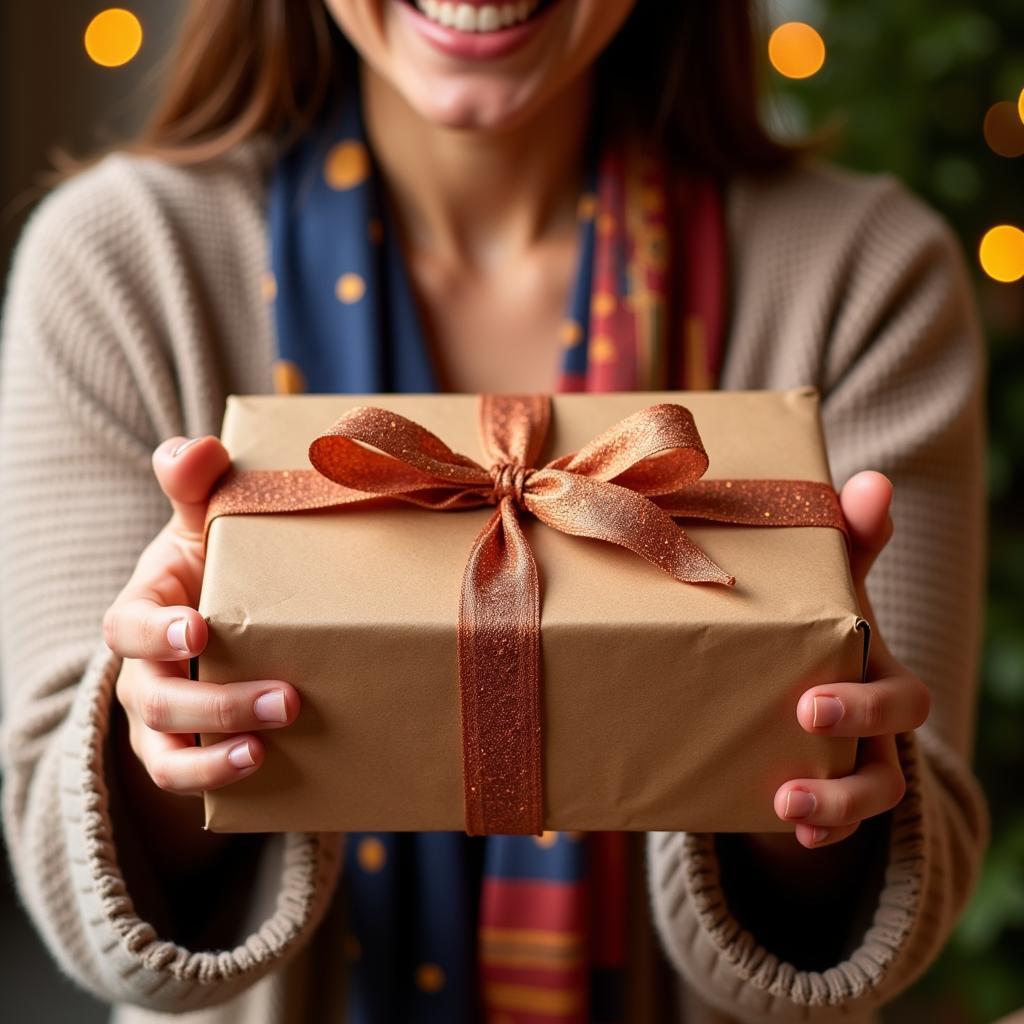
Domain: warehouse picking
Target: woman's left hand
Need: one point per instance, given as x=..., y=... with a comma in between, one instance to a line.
x=892, y=701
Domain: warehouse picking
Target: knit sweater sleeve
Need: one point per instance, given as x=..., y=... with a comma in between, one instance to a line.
x=901, y=375
x=86, y=391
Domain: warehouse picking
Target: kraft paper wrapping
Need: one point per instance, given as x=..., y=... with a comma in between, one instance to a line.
x=666, y=706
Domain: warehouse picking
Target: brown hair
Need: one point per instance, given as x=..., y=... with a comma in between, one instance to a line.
x=683, y=72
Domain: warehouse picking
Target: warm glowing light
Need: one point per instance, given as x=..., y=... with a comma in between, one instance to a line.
x=430, y=978
x=796, y=50
x=1020, y=104
x=113, y=37
x=1002, y=253
x=1004, y=130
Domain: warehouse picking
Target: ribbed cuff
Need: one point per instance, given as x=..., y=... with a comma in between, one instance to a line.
x=733, y=971
x=137, y=965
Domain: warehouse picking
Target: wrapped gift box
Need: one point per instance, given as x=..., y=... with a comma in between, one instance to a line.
x=665, y=705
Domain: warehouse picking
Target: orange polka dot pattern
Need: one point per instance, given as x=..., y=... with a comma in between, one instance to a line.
x=347, y=164
x=371, y=854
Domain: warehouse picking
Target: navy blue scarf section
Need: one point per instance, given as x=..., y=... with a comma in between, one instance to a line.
x=347, y=322
x=345, y=316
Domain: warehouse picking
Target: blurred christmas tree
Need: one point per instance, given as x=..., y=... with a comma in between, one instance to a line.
x=928, y=90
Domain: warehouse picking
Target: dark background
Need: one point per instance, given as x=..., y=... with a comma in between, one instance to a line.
x=905, y=88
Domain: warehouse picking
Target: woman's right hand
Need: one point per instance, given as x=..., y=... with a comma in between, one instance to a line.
x=155, y=627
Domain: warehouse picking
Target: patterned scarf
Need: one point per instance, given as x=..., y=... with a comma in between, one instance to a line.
x=443, y=927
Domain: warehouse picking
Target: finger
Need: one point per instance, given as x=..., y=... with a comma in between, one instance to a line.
x=865, y=499
x=813, y=836
x=171, y=704
x=187, y=469
x=879, y=708
x=876, y=786
x=177, y=766
x=140, y=627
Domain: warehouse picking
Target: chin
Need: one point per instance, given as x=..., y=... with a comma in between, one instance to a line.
x=484, y=75
x=474, y=105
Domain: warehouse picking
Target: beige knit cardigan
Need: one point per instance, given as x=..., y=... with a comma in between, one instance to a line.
x=134, y=308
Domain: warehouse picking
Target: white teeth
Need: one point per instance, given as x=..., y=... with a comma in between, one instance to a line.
x=487, y=19
x=469, y=18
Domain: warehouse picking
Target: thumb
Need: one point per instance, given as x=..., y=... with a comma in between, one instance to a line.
x=186, y=470
x=866, y=498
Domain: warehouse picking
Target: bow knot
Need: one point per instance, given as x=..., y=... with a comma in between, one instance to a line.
x=509, y=479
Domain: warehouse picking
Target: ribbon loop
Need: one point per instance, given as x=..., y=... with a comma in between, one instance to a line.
x=654, y=451
x=408, y=457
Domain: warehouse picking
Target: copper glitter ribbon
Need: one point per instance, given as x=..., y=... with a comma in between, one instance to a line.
x=623, y=487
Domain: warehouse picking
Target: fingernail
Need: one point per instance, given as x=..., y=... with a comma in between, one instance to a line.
x=241, y=756
x=270, y=707
x=827, y=711
x=799, y=803
x=177, y=635
x=184, y=444
x=819, y=835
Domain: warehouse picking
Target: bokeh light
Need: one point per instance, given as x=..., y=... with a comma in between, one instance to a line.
x=796, y=50
x=1002, y=253
x=113, y=37
x=1020, y=104
x=1004, y=130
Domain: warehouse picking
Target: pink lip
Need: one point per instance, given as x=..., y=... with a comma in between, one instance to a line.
x=474, y=45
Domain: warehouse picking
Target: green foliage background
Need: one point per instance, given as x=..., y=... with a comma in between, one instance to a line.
x=906, y=84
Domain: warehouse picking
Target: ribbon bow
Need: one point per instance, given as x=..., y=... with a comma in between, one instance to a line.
x=623, y=487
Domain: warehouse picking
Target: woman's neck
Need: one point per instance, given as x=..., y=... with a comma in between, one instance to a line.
x=479, y=199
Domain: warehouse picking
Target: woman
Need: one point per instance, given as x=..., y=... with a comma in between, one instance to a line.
x=456, y=177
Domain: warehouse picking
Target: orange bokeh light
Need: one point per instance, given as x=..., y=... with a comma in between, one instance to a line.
x=1004, y=130
x=1002, y=253
x=113, y=37
x=796, y=50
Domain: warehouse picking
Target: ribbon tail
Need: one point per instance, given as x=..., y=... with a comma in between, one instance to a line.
x=585, y=507
x=757, y=503
x=259, y=491
x=499, y=676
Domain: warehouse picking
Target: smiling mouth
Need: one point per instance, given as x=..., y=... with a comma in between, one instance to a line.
x=479, y=18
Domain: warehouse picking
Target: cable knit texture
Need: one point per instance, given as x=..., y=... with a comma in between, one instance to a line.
x=134, y=308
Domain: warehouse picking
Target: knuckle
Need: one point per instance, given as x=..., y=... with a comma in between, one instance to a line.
x=897, y=789
x=226, y=713
x=153, y=707
x=922, y=704
x=146, y=634
x=123, y=686
x=110, y=627
x=845, y=806
x=872, y=710
x=162, y=776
